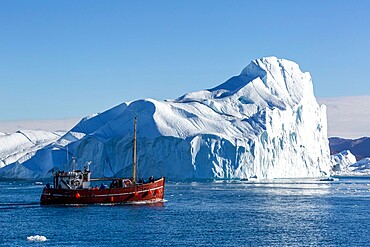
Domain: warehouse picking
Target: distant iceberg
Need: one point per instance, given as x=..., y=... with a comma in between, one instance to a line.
x=341, y=162
x=345, y=164
x=263, y=123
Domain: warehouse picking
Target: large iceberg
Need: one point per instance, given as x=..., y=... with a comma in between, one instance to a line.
x=263, y=123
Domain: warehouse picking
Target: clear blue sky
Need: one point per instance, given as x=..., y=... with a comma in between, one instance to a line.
x=72, y=58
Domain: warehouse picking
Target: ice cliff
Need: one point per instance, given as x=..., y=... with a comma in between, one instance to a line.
x=264, y=122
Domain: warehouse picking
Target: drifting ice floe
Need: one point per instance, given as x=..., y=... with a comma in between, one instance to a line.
x=36, y=238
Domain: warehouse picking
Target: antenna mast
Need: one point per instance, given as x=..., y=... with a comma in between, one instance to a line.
x=65, y=129
x=134, y=165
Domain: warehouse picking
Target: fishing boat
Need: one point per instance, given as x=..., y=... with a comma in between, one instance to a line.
x=75, y=187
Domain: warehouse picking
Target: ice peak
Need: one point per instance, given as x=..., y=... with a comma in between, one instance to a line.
x=268, y=64
x=281, y=77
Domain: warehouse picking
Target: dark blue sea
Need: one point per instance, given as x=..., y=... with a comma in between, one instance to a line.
x=218, y=213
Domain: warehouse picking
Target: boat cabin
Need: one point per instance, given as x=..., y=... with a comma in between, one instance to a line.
x=75, y=179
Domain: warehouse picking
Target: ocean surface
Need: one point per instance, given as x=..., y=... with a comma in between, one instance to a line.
x=218, y=213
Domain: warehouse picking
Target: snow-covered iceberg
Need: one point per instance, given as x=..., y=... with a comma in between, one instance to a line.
x=341, y=162
x=345, y=164
x=22, y=145
x=263, y=123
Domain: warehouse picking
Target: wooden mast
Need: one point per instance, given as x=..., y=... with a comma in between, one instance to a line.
x=134, y=158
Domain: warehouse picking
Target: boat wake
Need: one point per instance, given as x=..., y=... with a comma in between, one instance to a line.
x=158, y=202
x=18, y=205
x=147, y=202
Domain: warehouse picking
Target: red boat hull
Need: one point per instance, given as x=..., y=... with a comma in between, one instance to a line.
x=148, y=192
